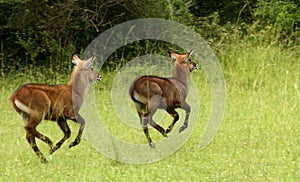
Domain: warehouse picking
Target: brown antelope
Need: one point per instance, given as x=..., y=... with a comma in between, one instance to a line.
x=150, y=93
x=35, y=102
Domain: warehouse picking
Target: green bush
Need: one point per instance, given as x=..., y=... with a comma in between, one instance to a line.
x=46, y=33
x=278, y=20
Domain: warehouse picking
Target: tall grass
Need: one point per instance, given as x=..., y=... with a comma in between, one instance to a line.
x=258, y=139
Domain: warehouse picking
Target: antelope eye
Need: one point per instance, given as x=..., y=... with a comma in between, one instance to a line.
x=92, y=69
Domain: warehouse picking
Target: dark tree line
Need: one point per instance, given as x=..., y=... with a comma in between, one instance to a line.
x=42, y=32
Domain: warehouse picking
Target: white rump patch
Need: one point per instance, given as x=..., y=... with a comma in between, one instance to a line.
x=140, y=98
x=23, y=107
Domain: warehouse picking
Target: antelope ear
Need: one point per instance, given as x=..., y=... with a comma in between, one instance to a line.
x=89, y=62
x=186, y=58
x=188, y=55
x=75, y=59
x=172, y=54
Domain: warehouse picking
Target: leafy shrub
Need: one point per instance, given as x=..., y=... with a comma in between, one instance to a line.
x=278, y=19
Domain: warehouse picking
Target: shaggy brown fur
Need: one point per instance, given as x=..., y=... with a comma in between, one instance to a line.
x=150, y=93
x=35, y=102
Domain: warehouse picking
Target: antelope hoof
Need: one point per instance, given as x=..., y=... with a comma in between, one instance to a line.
x=168, y=130
x=75, y=142
x=52, y=150
x=152, y=145
x=44, y=160
x=183, y=127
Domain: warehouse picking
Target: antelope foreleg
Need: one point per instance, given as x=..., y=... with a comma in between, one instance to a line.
x=187, y=109
x=81, y=122
x=67, y=132
x=175, y=115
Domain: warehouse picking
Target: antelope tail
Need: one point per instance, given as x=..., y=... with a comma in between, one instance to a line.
x=23, y=107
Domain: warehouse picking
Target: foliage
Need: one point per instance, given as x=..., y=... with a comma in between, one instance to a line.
x=46, y=33
x=49, y=30
x=228, y=10
x=280, y=19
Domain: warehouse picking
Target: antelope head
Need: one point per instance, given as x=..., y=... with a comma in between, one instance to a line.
x=184, y=60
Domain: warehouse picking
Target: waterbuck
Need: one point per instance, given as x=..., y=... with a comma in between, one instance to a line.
x=37, y=102
x=150, y=93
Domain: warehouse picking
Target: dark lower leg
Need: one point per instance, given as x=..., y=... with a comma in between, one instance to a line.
x=30, y=128
x=187, y=109
x=145, y=129
x=77, y=140
x=158, y=127
x=31, y=140
x=185, y=124
x=175, y=115
x=151, y=144
x=67, y=132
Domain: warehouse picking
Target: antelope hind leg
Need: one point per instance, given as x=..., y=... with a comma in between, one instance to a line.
x=31, y=140
x=155, y=103
x=145, y=129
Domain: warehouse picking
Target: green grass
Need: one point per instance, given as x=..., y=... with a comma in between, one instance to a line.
x=259, y=139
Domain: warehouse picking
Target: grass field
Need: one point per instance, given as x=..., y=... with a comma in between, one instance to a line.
x=259, y=139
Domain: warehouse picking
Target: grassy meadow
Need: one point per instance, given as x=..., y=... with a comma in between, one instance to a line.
x=259, y=139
